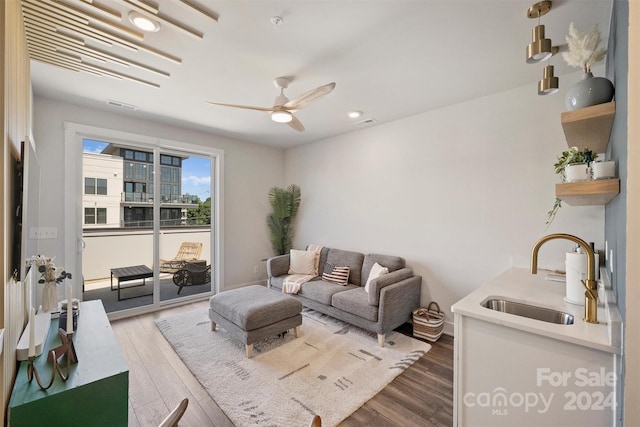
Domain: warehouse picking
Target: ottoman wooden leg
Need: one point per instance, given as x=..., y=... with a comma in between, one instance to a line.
x=249, y=351
x=296, y=331
x=213, y=325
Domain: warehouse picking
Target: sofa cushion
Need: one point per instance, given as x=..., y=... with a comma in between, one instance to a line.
x=322, y=259
x=302, y=262
x=350, y=259
x=393, y=263
x=336, y=274
x=355, y=302
x=322, y=291
x=376, y=271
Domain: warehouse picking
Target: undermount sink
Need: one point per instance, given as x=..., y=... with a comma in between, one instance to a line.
x=529, y=311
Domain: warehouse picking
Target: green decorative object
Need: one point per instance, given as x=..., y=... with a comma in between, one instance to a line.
x=285, y=203
x=96, y=389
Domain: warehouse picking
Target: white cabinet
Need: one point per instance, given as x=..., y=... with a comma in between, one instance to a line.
x=511, y=370
x=508, y=377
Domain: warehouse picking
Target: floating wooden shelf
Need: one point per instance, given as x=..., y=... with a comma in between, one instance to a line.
x=589, y=127
x=587, y=193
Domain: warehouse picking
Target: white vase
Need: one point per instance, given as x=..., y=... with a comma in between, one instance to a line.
x=50, y=296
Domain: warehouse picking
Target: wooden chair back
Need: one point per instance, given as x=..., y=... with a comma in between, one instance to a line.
x=316, y=421
x=188, y=251
x=174, y=416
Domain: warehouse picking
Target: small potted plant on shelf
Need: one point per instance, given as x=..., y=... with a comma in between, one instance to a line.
x=573, y=156
x=571, y=161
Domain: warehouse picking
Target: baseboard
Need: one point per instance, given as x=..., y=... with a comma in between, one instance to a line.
x=262, y=282
x=448, y=328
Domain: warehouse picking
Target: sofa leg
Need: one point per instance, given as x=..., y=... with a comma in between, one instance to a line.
x=249, y=350
x=381, y=340
x=296, y=331
x=213, y=325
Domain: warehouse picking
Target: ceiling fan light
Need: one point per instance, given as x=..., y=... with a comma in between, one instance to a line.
x=549, y=83
x=540, y=48
x=281, y=116
x=142, y=22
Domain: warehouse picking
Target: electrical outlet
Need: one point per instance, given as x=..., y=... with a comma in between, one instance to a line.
x=255, y=269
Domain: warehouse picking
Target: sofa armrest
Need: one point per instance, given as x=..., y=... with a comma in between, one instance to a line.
x=278, y=265
x=385, y=280
x=397, y=303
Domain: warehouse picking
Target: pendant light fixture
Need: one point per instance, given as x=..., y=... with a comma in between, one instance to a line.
x=540, y=48
x=549, y=83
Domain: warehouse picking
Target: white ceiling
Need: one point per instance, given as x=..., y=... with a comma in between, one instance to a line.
x=389, y=59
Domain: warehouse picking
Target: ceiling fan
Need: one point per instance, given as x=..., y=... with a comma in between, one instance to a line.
x=283, y=109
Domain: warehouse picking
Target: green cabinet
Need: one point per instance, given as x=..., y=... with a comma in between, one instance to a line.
x=96, y=393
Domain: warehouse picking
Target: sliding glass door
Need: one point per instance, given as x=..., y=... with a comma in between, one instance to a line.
x=146, y=221
x=185, y=225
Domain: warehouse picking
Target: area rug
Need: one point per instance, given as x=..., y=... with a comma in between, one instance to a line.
x=331, y=370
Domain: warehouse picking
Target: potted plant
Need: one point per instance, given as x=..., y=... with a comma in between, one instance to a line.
x=285, y=203
x=572, y=156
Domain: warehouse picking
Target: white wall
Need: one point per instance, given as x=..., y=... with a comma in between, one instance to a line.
x=462, y=192
x=249, y=171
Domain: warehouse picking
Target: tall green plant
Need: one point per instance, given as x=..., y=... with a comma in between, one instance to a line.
x=285, y=203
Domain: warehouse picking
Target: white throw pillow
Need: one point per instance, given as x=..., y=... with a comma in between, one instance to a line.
x=376, y=271
x=302, y=262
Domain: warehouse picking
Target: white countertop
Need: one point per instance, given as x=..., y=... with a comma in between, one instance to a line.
x=519, y=285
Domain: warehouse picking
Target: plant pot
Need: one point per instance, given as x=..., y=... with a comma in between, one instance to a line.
x=604, y=170
x=577, y=172
x=589, y=91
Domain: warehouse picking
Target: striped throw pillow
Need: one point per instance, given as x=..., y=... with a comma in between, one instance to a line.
x=339, y=275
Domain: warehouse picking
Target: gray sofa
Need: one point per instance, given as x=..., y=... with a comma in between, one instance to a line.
x=389, y=303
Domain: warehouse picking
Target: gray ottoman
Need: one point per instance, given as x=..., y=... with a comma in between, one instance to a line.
x=253, y=313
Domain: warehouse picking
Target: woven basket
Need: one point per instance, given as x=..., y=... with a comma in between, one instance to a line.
x=428, y=323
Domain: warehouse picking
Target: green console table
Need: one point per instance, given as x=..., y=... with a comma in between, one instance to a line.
x=96, y=393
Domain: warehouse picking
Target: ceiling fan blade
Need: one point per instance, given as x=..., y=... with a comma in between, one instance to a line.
x=308, y=97
x=246, y=107
x=296, y=124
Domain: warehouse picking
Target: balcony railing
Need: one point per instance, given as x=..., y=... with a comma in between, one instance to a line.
x=111, y=248
x=148, y=198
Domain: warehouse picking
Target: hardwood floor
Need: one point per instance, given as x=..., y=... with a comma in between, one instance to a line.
x=420, y=396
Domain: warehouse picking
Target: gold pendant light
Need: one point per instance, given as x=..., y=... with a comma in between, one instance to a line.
x=549, y=83
x=540, y=48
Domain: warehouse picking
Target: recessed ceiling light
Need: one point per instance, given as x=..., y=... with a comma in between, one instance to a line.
x=143, y=22
x=354, y=114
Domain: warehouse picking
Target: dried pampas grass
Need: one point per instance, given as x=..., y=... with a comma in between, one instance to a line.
x=583, y=48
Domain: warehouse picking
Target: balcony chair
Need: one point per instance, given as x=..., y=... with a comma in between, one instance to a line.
x=192, y=274
x=188, y=252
